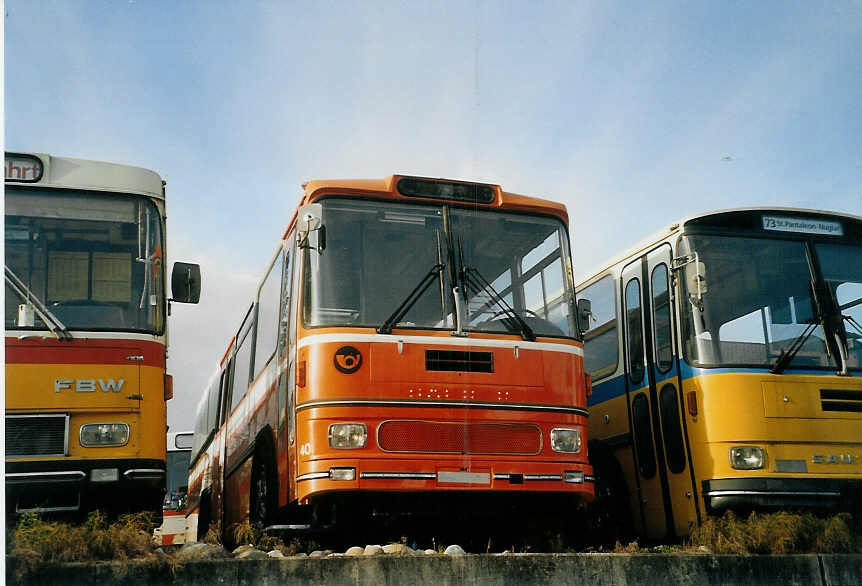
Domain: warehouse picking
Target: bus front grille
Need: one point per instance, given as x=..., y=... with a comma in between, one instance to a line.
x=36, y=435
x=841, y=400
x=460, y=438
x=459, y=361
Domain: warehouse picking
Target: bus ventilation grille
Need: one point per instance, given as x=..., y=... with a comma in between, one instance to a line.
x=841, y=400
x=459, y=438
x=458, y=361
x=36, y=435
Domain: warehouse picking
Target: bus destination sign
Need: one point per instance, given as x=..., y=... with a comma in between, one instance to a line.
x=22, y=168
x=803, y=225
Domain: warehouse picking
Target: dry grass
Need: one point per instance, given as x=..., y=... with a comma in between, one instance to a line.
x=779, y=533
x=36, y=542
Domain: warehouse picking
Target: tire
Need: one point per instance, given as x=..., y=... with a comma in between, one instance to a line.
x=609, y=515
x=204, y=517
x=261, y=503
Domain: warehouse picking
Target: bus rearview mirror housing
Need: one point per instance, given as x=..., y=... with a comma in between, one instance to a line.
x=310, y=219
x=186, y=282
x=585, y=312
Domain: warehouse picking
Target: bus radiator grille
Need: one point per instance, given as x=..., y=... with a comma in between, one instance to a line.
x=841, y=400
x=459, y=361
x=36, y=435
x=459, y=438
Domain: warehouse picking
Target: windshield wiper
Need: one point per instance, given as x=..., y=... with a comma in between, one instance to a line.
x=474, y=278
x=852, y=321
x=786, y=357
x=54, y=324
x=411, y=300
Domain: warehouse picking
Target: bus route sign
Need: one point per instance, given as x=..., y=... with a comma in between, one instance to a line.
x=803, y=225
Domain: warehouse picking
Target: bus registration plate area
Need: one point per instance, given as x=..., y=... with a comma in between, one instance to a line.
x=461, y=477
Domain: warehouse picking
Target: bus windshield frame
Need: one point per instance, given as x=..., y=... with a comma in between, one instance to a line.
x=94, y=259
x=485, y=264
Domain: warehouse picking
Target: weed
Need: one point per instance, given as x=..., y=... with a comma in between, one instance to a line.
x=777, y=533
x=213, y=534
x=243, y=534
x=36, y=542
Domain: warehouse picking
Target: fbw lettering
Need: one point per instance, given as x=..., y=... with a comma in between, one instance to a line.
x=88, y=385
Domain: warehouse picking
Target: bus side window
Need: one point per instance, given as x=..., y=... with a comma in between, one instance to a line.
x=267, y=317
x=284, y=321
x=284, y=305
x=661, y=319
x=601, y=346
x=242, y=361
x=634, y=331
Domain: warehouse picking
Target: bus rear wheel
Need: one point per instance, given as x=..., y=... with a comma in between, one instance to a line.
x=261, y=505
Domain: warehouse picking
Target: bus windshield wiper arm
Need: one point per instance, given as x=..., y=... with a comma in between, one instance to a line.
x=52, y=321
x=474, y=278
x=786, y=357
x=411, y=300
x=852, y=321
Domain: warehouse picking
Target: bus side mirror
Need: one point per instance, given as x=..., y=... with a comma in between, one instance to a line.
x=308, y=220
x=186, y=283
x=695, y=280
x=585, y=313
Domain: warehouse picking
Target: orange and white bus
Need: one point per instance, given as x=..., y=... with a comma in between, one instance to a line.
x=413, y=346
x=172, y=531
x=86, y=303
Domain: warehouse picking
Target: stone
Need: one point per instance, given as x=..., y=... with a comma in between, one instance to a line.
x=316, y=554
x=454, y=550
x=397, y=549
x=275, y=554
x=251, y=554
x=242, y=549
x=429, y=552
x=373, y=550
x=201, y=551
x=355, y=550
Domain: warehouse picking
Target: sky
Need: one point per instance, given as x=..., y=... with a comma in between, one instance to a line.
x=633, y=114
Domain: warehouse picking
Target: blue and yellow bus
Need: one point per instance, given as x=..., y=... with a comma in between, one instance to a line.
x=725, y=354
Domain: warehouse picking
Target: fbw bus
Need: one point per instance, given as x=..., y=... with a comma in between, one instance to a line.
x=413, y=345
x=172, y=531
x=725, y=353
x=85, y=324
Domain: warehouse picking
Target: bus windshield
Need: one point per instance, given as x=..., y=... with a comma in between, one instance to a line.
x=377, y=253
x=759, y=302
x=177, y=477
x=95, y=261
x=842, y=270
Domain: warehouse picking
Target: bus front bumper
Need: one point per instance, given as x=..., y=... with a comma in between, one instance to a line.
x=84, y=485
x=835, y=494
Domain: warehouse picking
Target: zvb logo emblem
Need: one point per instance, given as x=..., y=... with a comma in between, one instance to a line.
x=347, y=359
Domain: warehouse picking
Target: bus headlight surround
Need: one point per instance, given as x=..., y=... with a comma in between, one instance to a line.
x=566, y=440
x=348, y=436
x=104, y=434
x=747, y=457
